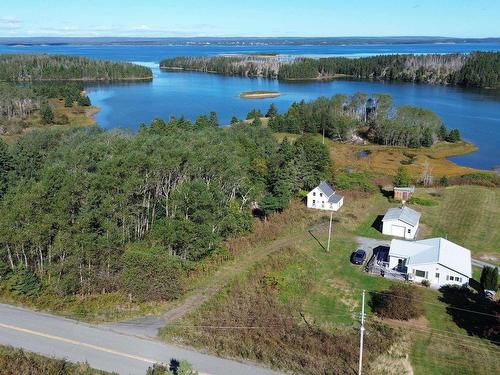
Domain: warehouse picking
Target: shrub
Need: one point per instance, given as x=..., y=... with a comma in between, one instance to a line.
x=444, y=181
x=426, y=283
x=345, y=180
x=479, y=178
x=402, y=177
x=83, y=100
x=489, y=278
x=257, y=122
x=254, y=113
x=399, y=302
x=4, y=269
x=175, y=368
x=68, y=101
x=453, y=136
x=46, y=114
x=25, y=282
x=150, y=274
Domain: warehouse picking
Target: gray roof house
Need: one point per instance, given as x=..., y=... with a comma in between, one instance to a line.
x=401, y=222
x=437, y=260
x=324, y=197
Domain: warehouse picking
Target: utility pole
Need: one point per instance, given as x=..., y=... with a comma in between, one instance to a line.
x=361, y=332
x=329, y=232
x=323, y=135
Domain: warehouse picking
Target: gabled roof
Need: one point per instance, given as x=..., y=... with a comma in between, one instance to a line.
x=405, y=214
x=433, y=250
x=326, y=188
x=335, y=198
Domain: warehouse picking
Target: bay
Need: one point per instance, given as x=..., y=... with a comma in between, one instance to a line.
x=476, y=112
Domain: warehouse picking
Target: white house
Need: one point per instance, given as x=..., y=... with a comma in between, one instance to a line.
x=437, y=260
x=323, y=197
x=401, y=222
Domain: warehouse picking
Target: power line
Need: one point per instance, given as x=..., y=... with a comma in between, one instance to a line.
x=457, y=340
x=442, y=330
x=436, y=304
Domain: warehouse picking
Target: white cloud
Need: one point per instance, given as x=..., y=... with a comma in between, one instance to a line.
x=10, y=23
x=141, y=30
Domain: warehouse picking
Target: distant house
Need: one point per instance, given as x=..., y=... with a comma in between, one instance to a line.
x=403, y=194
x=323, y=197
x=401, y=222
x=437, y=260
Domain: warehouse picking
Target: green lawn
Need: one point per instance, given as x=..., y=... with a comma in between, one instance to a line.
x=467, y=215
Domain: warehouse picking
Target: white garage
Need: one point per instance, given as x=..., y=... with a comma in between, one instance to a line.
x=401, y=222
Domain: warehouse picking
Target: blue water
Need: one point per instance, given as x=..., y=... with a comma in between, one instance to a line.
x=475, y=112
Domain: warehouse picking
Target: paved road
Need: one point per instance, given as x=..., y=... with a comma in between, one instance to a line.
x=103, y=348
x=480, y=263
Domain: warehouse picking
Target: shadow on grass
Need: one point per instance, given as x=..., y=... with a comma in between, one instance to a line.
x=377, y=224
x=317, y=240
x=389, y=194
x=473, y=312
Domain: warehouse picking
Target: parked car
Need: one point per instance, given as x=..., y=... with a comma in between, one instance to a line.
x=358, y=257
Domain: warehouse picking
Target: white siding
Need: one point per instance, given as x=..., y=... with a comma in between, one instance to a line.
x=316, y=199
x=396, y=227
x=437, y=275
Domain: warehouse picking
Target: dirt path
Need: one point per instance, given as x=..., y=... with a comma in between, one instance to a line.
x=148, y=326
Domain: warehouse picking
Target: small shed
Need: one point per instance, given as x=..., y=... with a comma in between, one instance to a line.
x=401, y=222
x=324, y=197
x=403, y=194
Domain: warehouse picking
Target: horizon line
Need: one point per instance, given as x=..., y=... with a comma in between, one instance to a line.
x=246, y=37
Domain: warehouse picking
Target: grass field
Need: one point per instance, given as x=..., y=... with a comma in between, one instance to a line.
x=469, y=216
x=76, y=115
x=15, y=361
x=387, y=159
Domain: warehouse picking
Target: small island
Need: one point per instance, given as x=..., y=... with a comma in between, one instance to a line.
x=259, y=94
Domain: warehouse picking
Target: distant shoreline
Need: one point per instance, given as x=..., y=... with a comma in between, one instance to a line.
x=241, y=41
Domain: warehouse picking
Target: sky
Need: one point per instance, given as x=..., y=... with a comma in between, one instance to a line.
x=259, y=18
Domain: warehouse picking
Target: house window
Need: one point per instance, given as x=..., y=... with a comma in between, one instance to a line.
x=314, y=201
x=460, y=279
x=409, y=231
x=437, y=275
x=420, y=273
x=400, y=262
x=314, y=193
x=320, y=194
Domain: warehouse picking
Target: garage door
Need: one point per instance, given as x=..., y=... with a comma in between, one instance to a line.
x=398, y=231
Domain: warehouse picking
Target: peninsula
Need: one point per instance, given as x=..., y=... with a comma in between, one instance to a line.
x=478, y=69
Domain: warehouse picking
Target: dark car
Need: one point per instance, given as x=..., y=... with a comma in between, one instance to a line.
x=358, y=257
